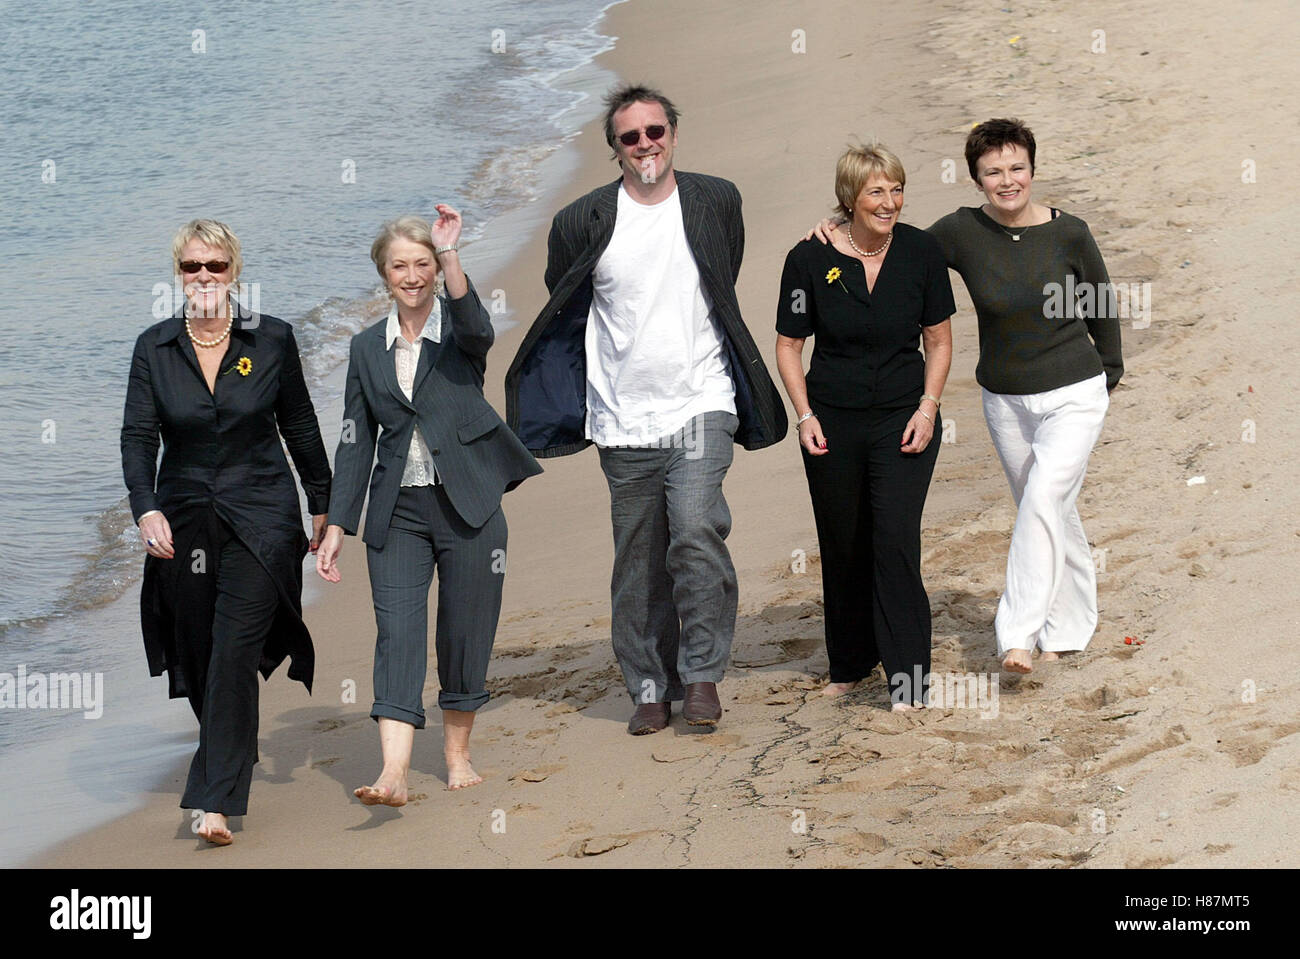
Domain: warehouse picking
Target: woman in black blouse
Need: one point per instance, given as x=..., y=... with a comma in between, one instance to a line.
x=1050, y=353
x=221, y=519
x=868, y=412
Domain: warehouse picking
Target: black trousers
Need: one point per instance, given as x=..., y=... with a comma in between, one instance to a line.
x=867, y=498
x=225, y=699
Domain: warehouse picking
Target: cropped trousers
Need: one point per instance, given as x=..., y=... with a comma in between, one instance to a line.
x=427, y=534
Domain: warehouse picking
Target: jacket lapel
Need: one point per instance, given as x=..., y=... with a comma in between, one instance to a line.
x=694, y=218
x=387, y=361
x=427, y=350
x=606, y=208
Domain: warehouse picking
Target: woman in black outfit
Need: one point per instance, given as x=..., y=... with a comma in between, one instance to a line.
x=222, y=526
x=868, y=412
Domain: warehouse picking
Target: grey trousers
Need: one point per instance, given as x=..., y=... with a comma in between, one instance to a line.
x=427, y=532
x=673, y=592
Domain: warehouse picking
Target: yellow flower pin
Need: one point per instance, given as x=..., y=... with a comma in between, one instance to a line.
x=833, y=276
x=245, y=366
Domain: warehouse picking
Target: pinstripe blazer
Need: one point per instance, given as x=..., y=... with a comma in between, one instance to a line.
x=476, y=461
x=546, y=386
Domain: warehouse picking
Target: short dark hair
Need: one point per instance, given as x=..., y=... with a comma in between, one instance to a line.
x=994, y=135
x=630, y=93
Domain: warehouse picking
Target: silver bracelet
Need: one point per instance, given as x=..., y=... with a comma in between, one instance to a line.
x=926, y=415
x=807, y=416
x=440, y=250
x=932, y=399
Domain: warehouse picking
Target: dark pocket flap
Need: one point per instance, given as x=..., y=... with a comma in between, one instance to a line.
x=485, y=422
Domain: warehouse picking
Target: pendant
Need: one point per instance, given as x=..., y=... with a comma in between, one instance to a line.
x=1016, y=236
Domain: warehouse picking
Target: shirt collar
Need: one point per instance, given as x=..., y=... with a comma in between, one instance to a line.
x=432, y=326
x=246, y=322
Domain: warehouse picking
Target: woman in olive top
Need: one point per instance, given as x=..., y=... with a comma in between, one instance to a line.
x=1049, y=357
x=868, y=411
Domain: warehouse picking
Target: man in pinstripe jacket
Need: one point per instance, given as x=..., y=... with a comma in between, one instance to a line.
x=642, y=351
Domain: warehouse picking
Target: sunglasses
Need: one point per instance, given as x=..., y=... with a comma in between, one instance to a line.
x=632, y=137
x=213, y=266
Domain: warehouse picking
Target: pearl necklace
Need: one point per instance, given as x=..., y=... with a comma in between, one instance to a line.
x=888, y=239
x=218, y=341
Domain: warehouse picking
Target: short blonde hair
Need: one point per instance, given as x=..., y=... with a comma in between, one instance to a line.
x=215, y=234
x=406, y=227
x=856, y=166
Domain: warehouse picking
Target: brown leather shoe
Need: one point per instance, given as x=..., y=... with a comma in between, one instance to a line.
x=701, y=706
x=649, y=718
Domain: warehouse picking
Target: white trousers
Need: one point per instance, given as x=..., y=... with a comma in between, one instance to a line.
x=1044, y=440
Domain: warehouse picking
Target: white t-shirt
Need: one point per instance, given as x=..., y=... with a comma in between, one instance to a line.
x=655, y=358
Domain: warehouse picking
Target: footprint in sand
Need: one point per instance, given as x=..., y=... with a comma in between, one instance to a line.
x=537, y=774
x=595, y=846
x=988, y=794
x=785, y=614
x=865, y=844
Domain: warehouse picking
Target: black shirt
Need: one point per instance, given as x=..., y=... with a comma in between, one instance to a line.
x=866, y=349
x=222, y=452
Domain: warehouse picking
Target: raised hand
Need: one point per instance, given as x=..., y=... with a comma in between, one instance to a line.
x=446, y=229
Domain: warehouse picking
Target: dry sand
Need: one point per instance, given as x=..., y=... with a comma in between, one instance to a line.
x=1180, y=751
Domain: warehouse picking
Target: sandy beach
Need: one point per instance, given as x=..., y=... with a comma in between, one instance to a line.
x=1171, y=134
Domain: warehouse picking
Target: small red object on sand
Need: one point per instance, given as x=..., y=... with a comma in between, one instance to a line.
x=1133, y=641
x=1250, y=389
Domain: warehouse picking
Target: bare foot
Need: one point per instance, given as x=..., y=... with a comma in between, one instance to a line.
x=1047, y=656
x=460, y=774
x=215, y=830
x=1018, y=661
x=389, y=790
x=905, y=708
x=839, y=689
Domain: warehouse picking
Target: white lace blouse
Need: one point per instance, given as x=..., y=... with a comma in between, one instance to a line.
x=419, y=469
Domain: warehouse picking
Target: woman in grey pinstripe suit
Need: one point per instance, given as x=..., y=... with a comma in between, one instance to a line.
x=415, y=393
